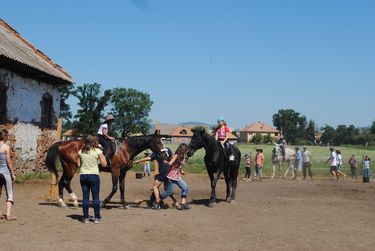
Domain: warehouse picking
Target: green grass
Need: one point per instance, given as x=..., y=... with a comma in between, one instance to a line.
x=32, y=176
x=319, y=156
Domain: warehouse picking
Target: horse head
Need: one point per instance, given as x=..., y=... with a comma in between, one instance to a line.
x=197, y=140
x=155, y=143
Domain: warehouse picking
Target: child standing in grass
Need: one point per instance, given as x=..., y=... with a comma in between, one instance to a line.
x=259, y=163
x=247, y=167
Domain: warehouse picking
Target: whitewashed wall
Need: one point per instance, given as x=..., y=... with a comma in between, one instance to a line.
x=25, y=95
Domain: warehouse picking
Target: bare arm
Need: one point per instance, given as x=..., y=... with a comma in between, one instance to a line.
x=172, y=161
x=142, y=160
x=102, y=159
x=9, y=163
x=105, y=134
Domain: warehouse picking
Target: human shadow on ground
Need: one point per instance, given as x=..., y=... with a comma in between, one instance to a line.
x=205, y=202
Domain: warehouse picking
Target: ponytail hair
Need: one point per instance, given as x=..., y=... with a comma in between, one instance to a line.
x=3, y=134
x=90, y=143
x=181, y=150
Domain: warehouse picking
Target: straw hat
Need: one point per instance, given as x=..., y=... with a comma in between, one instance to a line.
x=109, y=117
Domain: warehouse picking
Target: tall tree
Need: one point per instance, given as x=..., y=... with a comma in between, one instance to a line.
x=310, y=131
x=290, y=123
x=65, y=112
x=131, y=109
x=372, y=129
x=92, y=104
x=328, y=135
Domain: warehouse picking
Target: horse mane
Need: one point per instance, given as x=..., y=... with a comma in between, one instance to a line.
x=136, y=141
x=199, y=129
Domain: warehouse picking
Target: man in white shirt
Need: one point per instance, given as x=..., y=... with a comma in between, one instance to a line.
x=332, y=163
x=306, y=157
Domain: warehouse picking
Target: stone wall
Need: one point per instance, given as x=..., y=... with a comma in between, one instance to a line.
x=24, y=97
x=29, y=145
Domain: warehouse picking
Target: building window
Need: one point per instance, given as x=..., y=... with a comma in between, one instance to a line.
x=3, y=102
x=183, y=132
x=47, y=110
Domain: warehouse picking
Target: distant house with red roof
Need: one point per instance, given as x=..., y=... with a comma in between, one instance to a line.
x=247, y=133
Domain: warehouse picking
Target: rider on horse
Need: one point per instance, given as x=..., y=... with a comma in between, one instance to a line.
x=221, y=134
x=282, y=143
x=105, y=140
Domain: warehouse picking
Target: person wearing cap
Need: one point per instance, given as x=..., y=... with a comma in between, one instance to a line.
x=103, y=134
x=332, y=163
x=221, y=134
x=306, y=157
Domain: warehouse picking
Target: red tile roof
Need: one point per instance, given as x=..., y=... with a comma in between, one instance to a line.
x=260, y=128
x=13, y=46
x=181, y=132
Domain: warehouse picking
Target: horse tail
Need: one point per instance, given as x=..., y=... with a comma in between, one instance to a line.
x=52, y=155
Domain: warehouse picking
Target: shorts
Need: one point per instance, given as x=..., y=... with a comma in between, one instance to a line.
x=161, y=177
x=298, y=167
x=332, y=168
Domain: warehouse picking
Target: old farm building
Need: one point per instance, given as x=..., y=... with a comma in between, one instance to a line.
x=29, y=98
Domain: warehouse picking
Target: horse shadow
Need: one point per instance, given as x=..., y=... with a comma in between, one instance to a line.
x=205, y=202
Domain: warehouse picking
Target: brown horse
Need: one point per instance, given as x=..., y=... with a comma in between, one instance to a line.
x=121, y=162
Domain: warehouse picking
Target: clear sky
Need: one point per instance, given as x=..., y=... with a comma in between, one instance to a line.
x=199, y=59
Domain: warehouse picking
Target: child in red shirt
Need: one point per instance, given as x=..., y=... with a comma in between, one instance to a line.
x=221, y=134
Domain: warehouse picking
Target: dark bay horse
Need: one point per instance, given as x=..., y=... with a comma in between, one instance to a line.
x=121, y=162
x=216, y=162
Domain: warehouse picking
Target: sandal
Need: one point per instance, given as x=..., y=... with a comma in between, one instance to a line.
x=178, y=206
x=185, y=206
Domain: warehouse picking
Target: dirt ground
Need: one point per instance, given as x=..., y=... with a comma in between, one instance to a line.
x=269, y=215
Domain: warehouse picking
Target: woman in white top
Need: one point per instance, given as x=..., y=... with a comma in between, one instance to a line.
x=103, y=135
x=339, y=164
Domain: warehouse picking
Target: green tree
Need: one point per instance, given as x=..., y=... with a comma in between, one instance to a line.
x=290, y=123
x=257, y=138
x=372, y=129
x=267, y=138
x=92, y=105
x=328, y=135
x=310, y=131
x=65, y=112
x=131, y=109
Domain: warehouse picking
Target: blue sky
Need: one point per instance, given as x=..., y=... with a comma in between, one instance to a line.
x=199, y=59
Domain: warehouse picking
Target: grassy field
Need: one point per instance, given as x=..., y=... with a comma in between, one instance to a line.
x=319, y=155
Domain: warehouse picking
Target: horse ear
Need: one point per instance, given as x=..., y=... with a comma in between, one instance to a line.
x=157, y=132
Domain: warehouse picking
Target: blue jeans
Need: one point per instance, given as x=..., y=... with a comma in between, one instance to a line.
x=90, y=182
x=170, y=187
x=366, y=172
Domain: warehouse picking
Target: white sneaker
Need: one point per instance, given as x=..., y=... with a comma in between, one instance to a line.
x=244, y=178
x=231, y=158
x=98, y=220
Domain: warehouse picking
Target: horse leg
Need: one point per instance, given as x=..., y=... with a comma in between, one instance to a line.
x=115, y=179
x=122, y=188
x=214, y=177
x=228, y=182
x=234, y=176
x=61, y=191
x=273, y=170
x=70, y=191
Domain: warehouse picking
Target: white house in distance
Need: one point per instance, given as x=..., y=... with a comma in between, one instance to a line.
x=29, y=98
x=247, y=133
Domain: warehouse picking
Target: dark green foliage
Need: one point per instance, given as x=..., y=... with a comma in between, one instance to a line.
x=92, y=104
x=131, y=109
x=291, y=124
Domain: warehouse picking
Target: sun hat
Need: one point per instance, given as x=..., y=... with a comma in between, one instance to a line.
x=109, y=117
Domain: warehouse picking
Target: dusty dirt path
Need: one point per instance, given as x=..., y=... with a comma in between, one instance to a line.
x=269, y=215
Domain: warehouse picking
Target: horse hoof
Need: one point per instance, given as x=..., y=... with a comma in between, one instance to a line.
x=232, y=201
x=126, y=207
x=211, y=204
x=228, y=199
